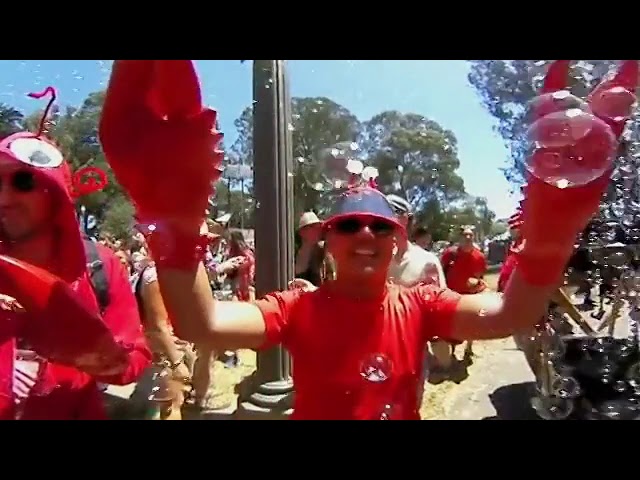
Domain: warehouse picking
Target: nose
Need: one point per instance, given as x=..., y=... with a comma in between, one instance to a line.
x=365, y=233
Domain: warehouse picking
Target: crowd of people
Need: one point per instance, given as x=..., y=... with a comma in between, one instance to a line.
x=356, y=321
x=230, y=265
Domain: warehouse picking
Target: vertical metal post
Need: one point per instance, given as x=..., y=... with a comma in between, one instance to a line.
x=272, y=388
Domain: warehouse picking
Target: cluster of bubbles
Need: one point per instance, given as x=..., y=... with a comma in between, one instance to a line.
x=596, y=376
x=569, y=140
x=340, y=166
x=160, y=397
x=588, y=377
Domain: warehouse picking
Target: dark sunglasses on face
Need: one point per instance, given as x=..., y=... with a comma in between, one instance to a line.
x=351, y=226
x=20, y=181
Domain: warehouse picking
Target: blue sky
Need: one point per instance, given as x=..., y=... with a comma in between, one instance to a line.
x=437, y=89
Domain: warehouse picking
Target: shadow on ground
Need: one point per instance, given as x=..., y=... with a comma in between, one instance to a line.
x=512, y=402
x=457, y=373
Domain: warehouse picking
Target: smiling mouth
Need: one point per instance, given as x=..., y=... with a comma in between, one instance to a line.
x=364, y=252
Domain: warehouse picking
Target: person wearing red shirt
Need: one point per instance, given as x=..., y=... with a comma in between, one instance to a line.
x=50, y=359
x=357, y=341
x=464, y=265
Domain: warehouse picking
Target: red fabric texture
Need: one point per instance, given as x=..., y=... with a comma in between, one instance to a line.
x=332, y=338
x=508, y=267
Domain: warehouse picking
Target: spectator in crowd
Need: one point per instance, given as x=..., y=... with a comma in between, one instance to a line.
x=310, y=255
x=464, y=267
x=168, y=351
x=422, y=238
x=243, y=275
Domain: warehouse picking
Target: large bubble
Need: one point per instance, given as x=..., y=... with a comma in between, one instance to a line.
x=569, y=148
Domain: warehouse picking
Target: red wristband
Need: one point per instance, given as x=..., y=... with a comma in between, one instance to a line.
x=174, y=248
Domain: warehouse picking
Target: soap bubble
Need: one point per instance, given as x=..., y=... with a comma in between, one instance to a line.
x=615, y=104
x=569, y=148
x=376, y=368
x=553, y=408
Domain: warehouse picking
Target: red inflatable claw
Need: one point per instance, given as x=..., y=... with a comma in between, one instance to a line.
x=557, y=77
x=161, y=143
x=56, y=324
x=615, y=98
x=578, y=141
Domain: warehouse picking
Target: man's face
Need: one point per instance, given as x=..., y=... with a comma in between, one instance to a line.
x=466, y=239
x=25, y=206
x=362, y=247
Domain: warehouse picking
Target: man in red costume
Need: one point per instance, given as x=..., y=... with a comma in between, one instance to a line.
x=38, y=225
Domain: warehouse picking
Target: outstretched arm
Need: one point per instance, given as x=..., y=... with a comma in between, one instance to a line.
x=200, y=319
x=492, y=315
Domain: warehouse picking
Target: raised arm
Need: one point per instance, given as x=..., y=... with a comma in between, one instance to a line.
x=200, y=319
x=494, y=315
x=553, y=215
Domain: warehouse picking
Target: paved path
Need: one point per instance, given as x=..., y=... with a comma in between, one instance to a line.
x=497, y=387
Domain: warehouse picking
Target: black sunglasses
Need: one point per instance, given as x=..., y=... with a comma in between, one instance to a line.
x=21, y=181
x=352, y=225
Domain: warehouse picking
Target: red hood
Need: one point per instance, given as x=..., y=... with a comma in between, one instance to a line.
x=40, y=156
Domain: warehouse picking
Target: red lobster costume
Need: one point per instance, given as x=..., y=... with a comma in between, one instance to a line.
x=550, y=217
x=69, y=344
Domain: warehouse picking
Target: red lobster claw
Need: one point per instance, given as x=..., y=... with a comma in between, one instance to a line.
x=159, y=139
x=57, y=325
x=614, y=99
x=554, y=94
x=557, y=77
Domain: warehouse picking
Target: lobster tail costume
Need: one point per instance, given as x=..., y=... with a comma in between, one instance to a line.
x=61, y=322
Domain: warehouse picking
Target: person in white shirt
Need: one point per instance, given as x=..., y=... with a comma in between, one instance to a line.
x=413, y=265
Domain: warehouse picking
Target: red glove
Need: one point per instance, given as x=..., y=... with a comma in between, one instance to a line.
x=57, y=325
x=553, y=217
x=162, y=146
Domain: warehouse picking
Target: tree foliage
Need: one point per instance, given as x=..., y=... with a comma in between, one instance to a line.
x=506, y=86
x=415, y=156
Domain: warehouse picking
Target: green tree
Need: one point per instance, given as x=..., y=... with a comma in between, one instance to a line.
x=11, y=120
x=318, y=123
x=76, y=132
x=506, y=86
x=418, y=159
x=118, y=217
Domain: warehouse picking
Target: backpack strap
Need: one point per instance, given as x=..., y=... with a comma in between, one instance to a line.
x=97, y=274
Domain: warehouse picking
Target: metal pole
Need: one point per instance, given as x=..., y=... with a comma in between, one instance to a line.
x=271, y=389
